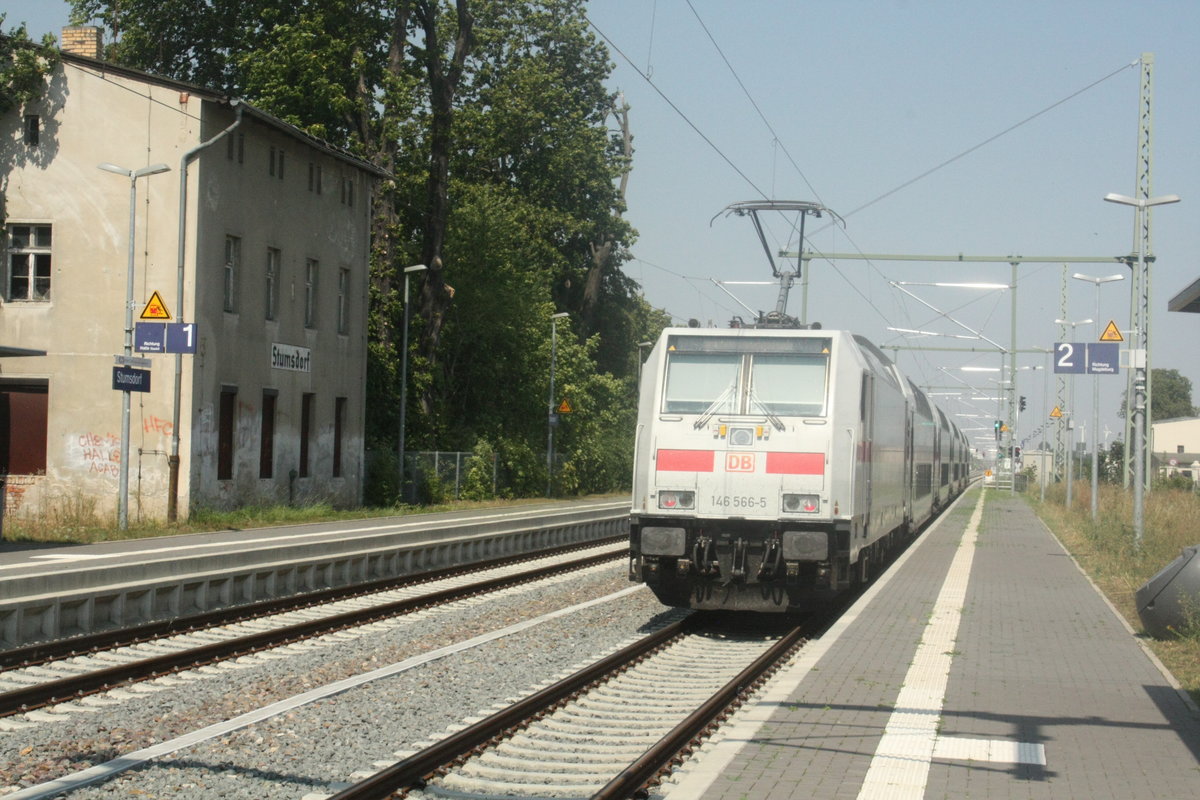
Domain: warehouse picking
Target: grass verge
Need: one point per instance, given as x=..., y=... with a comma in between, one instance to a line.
x=1105, y=549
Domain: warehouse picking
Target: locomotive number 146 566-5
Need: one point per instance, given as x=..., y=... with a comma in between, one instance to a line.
x=739, y=501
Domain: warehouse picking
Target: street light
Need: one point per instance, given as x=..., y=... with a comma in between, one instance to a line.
x=404, y=372
x=1096, y=281
x=1141, y=348
x=553, y=418
x=133, y=175
x=1070, y=415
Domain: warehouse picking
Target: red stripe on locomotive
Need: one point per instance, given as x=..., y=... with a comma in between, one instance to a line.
x=796, y=463
x=685, y=460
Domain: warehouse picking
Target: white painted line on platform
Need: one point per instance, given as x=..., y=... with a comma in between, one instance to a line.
x=900, y=768
x=107, y=770
x=696, y=777
x=996, y=751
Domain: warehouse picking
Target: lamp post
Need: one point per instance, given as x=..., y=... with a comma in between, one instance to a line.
x=1071, y=414
x=553, y=417
x=404, y=374
x=1096, y=281
x=133, y=175
x=1141, y=349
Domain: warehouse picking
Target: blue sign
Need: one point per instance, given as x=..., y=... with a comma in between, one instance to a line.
x=164, y=337
x=128, y=379
x=181, y=337
x=1090, y=358
x=149, y=337
x=1104, y=358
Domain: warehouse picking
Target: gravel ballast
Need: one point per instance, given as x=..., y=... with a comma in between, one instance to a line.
x=314, y=747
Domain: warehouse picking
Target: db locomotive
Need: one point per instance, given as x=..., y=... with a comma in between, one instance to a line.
x=775, y=467
x=777, y=464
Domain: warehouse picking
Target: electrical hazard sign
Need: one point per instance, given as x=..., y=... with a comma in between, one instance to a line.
x=156, y=308
x=1112, y=333
x=565, y=407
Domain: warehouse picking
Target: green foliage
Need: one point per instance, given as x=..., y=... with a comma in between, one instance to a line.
x=1171, y=396
x=23, y=66
x=478, y=483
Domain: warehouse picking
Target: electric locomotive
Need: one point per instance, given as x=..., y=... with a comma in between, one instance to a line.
x=776, y=465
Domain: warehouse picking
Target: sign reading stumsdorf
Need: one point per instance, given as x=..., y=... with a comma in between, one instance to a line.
x=291, y=357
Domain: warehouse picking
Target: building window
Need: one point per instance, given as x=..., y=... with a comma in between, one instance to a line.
x=23, y=418
x=266, y=448
x=306, y=412
x=348, y=191
x=233, y=261
x=235, y=147
x=28, y=263
x=33, y=129
x=275, y=162
x=310, y=293
x=273, y=264
x=343, y=301
x=226, y=424
x=314, y=177
x=339, y=429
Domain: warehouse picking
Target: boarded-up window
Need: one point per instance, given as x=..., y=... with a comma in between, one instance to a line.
x=266, y=453
x=23, y=428
x=306, y=412
x=339, y=428
x=225, y=427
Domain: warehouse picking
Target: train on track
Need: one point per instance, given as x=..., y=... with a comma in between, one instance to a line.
x=776, y=465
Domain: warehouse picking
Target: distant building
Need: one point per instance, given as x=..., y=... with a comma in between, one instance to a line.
x=1175, y=447
x=275, y=245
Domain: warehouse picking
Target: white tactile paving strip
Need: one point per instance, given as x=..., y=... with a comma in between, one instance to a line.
x=900, y=767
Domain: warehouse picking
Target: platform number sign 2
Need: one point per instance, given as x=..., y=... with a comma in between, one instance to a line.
x=1070, y=357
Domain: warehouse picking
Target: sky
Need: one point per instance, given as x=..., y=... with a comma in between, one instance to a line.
x=938, y=127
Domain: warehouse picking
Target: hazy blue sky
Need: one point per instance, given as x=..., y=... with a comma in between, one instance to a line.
x=933, y=127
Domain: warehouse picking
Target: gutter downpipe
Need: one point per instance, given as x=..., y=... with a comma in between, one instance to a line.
x=173, y=458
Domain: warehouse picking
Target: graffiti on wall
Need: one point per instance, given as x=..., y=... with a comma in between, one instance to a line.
x=101, y=453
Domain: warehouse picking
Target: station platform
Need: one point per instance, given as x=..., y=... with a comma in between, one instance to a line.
x=53, y=592
x=982, y=664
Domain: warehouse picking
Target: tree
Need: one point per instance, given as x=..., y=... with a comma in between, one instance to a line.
x=1171, y=398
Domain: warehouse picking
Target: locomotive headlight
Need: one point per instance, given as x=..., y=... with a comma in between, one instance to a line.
x=677, y=500
x=802, y=503
x=741, y=436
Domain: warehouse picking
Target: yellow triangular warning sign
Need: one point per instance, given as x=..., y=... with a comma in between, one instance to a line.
x=155, y=308
x=1056, y=413
x=1111, y=333
x=565, y=407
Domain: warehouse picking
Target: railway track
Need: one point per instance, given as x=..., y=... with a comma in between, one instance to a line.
x=52, y=673
x=605, y=732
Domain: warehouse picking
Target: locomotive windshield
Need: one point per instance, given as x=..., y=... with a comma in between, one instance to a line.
x=773, y=376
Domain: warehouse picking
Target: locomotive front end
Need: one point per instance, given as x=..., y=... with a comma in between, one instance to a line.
x=733, y=504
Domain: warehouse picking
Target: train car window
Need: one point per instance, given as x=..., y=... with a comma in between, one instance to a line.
x=700, y=383
x=792, y=385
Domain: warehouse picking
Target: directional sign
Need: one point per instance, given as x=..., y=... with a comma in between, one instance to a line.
x=1091, y=358
x=1104, y=358
x=168, y=337
x=128, y=379
x=149, y=337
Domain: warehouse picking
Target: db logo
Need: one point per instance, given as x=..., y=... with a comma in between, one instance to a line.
x=739, y=462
